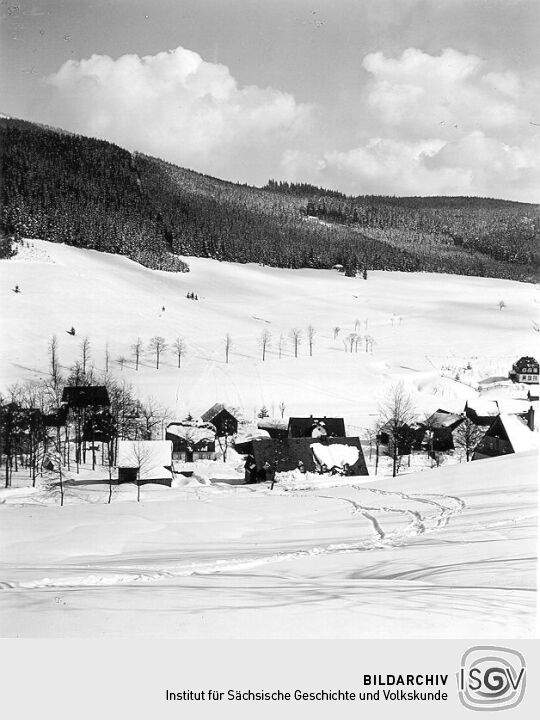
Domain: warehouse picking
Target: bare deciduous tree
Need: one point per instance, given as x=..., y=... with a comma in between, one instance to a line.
x=179, y=347
x=54, y=369
x=282, y=407
x=265, y=340
x=85, y=353
x=157, y=345
x=296, y=337
x=107, y=358
x=137, y=349
x=228, y=342
x=337, y=330
x=467, y=436
x=281, y=345
x=396, y=415
x=350, y=341
x=311, y=337
x=121, y=360
x=153, y=415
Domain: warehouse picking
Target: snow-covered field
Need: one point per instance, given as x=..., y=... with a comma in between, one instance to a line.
x=423, y=326
x=449, y=552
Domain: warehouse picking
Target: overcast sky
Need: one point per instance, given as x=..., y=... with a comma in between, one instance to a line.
x=399, y=97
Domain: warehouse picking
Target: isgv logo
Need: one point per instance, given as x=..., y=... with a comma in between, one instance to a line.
x=491, y=678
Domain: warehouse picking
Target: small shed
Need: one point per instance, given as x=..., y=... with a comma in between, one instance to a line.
x=192, y=441
x=507, y=434
x=525, y=370
x=314, y=426
x=223, y=418
x=145, y=461
x=284, y=455
x=83, y=396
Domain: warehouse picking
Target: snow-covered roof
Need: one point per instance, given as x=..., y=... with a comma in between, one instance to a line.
x=443, y=419
x=152, y=456
x=273, y=423
x=194, y=432
x=335, y=455
x=483, y=407
x=520, y=436
x=513, y=406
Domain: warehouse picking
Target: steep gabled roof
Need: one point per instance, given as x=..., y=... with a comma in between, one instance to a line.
x=518, y=433
x=211, y=413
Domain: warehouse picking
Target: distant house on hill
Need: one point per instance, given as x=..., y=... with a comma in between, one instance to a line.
x=316, y=427
x=525, y=370
x=481, y=411
x=224, y=418
x=83, y=396
x=441, y=426
x=145, y=461
x=507, y=434
x=192, y=441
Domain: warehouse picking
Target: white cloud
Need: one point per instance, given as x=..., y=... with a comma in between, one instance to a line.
x=176, y=106
x=444, y=124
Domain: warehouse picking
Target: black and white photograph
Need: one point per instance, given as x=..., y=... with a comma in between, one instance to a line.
x=269, y=328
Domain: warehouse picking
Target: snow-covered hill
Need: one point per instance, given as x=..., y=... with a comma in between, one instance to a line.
x=423, y=326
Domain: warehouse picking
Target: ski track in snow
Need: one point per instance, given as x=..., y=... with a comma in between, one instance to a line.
x=419, y=525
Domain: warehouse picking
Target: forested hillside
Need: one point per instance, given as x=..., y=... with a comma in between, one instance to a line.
x=90, y=193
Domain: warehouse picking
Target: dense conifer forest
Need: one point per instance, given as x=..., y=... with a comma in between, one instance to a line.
x=90, y=193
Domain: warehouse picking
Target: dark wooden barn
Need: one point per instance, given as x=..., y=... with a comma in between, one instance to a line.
x=84, y=396
x=224, y=419
x=284, y=455
x=300, y=427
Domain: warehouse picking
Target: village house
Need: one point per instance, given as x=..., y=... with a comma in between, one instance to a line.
x=525, y=370
x=145, y=461
x=192, y=441
x=507, y=434
x=224, y=418
x=440, y=430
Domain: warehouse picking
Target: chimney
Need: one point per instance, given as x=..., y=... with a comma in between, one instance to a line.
x=530, y=418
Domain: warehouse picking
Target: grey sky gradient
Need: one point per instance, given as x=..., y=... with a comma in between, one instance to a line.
x=401, y=97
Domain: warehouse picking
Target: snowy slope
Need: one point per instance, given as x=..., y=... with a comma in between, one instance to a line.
x=449, y=553
x=420, y=323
